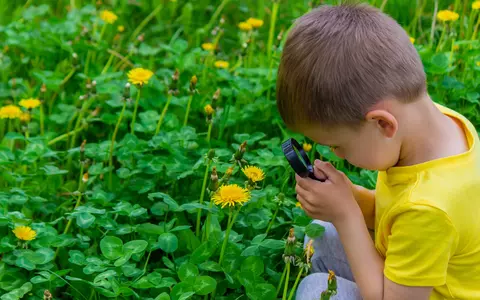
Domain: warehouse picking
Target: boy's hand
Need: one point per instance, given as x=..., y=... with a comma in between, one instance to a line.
x=333, y=200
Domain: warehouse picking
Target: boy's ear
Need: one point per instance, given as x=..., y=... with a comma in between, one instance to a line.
x=384, y=120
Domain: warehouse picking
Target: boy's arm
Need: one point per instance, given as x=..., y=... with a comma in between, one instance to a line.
x=366, y=200
x=367, y=265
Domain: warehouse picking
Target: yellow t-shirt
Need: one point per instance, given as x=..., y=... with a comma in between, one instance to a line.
x=427, y=223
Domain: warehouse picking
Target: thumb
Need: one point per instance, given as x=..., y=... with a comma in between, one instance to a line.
x=319, y=174
x=327, y=170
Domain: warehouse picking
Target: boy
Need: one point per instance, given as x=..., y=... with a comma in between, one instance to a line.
x=350, y=78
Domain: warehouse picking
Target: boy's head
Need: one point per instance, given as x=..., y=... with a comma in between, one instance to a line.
x=343, y=70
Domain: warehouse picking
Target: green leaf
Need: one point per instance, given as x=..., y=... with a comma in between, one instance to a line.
x=18, y=293
x=123, y=260
x=150, y=228
x=254, y=264
x=210, y=266
x=273, y=244
x=85, y=219
x=52, y=170
x=135, y=246
x=182, y=291
x=172, y=204
x=187, y=270
x=155, y=278
x=314, y=230
x=168, y=242
x=163, y=296
x=262, y=291
x=203, y=252
x=23, y=262
x=77, y=257
x=204, y=285
x=111, y=247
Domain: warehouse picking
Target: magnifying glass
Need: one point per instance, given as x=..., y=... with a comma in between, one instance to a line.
x=298, y=159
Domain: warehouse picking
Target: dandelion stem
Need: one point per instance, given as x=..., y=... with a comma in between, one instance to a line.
x=439, y=46
x=209, y=134
x=273, y=219
x=271, y=32
x=227, y=234
x=63, y=136
x=145, y=21
x=87, y=62
x=475, y=31
x=42, y=121
x=103, y=31
x=185, y=120
x=109, y=63
x=132, y=124
x=281, y=280
x=110, y=157
x=215, y=15
x=434, y=20
x=285, y=288
x=164, y=112
x=292, y=292
x=202, y=196
x=67, y=78
x=207, y=224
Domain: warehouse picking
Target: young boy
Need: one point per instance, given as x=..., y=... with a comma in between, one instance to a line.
x=350, y=78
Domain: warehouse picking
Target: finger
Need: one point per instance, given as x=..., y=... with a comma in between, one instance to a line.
x=306, y=206
x=303, y=182
x=301, y=192
x=319, y=174
x=328, y=169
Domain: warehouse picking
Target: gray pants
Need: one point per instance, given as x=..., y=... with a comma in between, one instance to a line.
x=329, y=255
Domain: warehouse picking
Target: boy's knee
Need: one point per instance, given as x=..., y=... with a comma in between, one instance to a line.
x=312, y=286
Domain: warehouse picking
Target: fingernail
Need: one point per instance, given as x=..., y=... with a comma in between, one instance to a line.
x=318, y=162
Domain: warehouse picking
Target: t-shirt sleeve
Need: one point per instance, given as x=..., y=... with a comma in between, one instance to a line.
x=421, y=243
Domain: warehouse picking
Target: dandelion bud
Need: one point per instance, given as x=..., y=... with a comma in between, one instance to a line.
x=208, y=110
x=332, y=282
x=85, y=177
x=43, y=89
x=14, y=83
x=81, y=97
x=94, y=87
x=76, y=193
x=173, y=85
x=82, y=146
x=241, y=151
x=141, y=38
x=213, y=180
x=95, y=112
x=215, y=98
x=193, y=83
x=47, y=295
x=290, y=245
x=309, y=251
x=211, y=154
x=126, y=91
x=75, y=59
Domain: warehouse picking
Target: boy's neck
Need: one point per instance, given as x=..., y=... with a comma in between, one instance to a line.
x=429, y=134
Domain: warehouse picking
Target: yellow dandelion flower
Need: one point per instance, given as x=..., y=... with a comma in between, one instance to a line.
x=456, y=47
x=299, y=205
x=256, y=23
x=331, y=275
x=309, y=251
x=10, y=112
x=139, y=76
x=307, y=147
x=244, y=26
x=478, y=63
x=447, y=15
x=24, y=233
x=476, y=5
x=412, y=40
x=121, y=28
x=108, y=16
x=253, y=173
x=231, y=195
x=30, y=103
x=25, y=117
x=208, y=46
x=221, y=64
x=209, y=110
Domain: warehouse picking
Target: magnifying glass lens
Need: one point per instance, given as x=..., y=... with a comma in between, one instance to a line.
x=300, y=157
